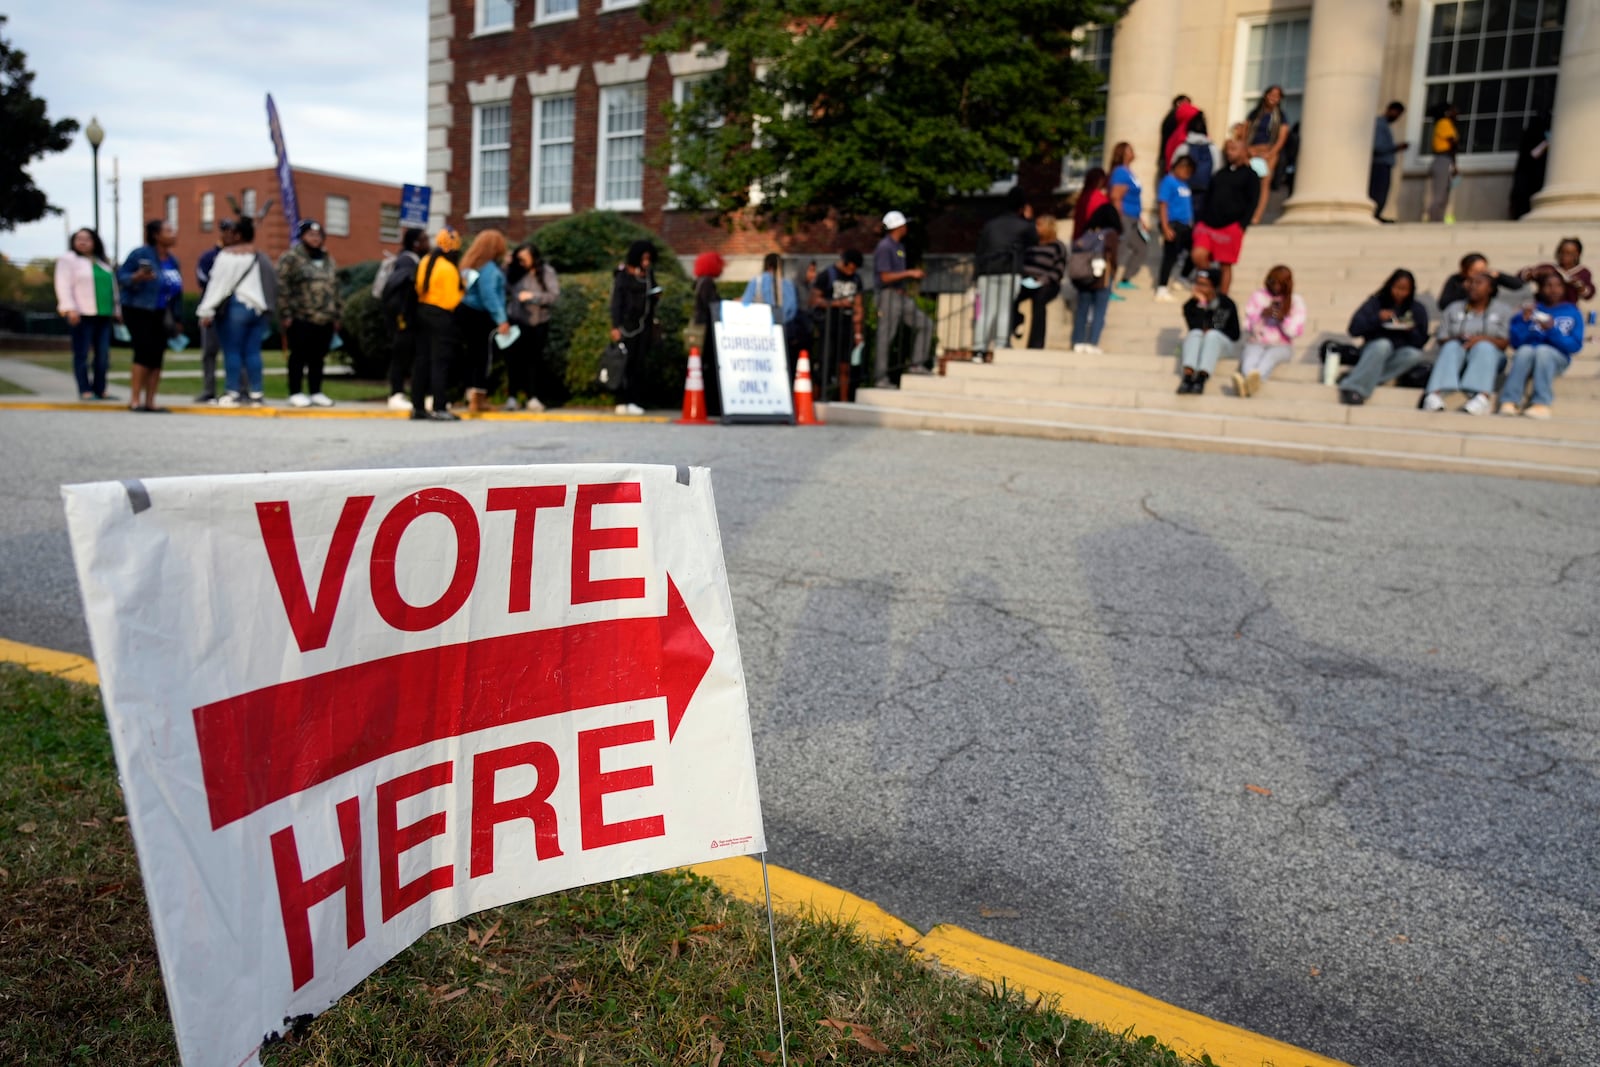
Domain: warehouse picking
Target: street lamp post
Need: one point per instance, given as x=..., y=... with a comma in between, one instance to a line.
x=95, y=134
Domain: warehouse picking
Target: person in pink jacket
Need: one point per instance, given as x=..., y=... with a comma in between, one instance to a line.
x=86, y=296
x=1274, y=318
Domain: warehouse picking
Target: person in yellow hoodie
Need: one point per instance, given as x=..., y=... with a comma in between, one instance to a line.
x=439, y=292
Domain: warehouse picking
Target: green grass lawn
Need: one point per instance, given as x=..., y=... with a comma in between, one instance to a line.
x=276, y=386
x=663, y=969
x=13, y=389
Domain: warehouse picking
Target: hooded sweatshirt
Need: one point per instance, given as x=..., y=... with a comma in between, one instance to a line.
x=1559, y=326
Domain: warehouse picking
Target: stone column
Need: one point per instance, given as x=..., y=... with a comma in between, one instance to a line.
x=1144, y=49
x=1343, y=74
x=1572, y=183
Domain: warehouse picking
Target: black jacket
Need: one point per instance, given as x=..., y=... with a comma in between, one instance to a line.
x=1002, y=241
x=1455, y=288
x=1224, y=317
x=1366, y=325
x=630, y=304
x=1232, y=198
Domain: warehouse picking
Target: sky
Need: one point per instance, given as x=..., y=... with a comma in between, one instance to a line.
x=180, y=87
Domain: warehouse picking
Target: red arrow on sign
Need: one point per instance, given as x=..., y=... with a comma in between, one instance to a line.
x=265, y=745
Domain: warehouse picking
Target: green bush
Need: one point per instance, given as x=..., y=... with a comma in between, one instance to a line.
x=598, y=241
x=580, y=329
x=367, y=341
x=358, y=276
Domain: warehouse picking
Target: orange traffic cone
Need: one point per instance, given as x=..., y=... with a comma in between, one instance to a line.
x=805, y=412
x=694, y=393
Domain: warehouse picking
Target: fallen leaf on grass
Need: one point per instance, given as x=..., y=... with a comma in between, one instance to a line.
x=861, y=1035
x=452, y=995
x=483, y=942
x=127, y=979
x=716, y=1052
x=794, y=966
x=107, y=891
x=908, y=1048
x=91, y=824
x=707, y=928
x=1260, y=789
x=767, y=1057
x=27, y=828
x=558, y=1035
x=119, y=818
x=999, y=913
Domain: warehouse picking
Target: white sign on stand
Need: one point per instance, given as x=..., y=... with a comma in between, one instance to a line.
x=348, y=707
x=752, y=365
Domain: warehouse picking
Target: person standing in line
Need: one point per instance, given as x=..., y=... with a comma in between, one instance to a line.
x=309, y=280
x=482, y=313
x=702, y=333
x=1043, y=268
x=631, y=306
x=210, y=342
x=439, y=293
x=1213, y=329
x=1446, y=142
x=1176, y=201
x=534, y=291
x=1473, y=335
x=1384, y=150
x=86, y=296
x=1128, y=198
x=152, y=306
x=836, y=293
x=236, y=306
x=1274, y=318
x=896, y=306
x=1174, y=127
x=1392, y=328
x=1267, y=133
x=1544, y=338
x=1219, y=235
x=1002, y=243
x=1091, y=268
x=781, y=294
x=398, y=298
x=1569, y=268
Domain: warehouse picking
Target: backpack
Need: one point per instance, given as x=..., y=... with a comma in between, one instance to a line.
x=385, y=269
x=398, y=293
x=1086, y=250
x=1204, y=155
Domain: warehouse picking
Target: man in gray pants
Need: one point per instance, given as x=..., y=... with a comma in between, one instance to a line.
x=896, y=306
x=210, y=336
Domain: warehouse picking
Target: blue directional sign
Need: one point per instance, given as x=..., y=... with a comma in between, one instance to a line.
x=414, y=202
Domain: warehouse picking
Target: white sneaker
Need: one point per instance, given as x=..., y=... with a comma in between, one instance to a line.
x=258, y=399
x=399, y=402
x=1093, y=350
x=228, y=400
x=533, y=405
x=629, y=409
x=322, y=400
x=427, y=403
x=1479, y=405
x=299, y=400
x=1079, y=348
x=1433, y=402
x=1164, y=295
x=1508, y=408
x=511, y=404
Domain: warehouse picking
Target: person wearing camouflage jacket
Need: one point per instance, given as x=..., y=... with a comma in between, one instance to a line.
x=308, y=302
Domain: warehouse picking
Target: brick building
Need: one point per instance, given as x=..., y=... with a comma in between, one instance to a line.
x=361, y=217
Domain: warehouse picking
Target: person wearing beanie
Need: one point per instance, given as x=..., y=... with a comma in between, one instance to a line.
x=309, y=286
x=439, y=293
x=633, y=299
x=702, y=333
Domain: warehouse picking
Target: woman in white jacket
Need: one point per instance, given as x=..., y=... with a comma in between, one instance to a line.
x=239, y=296
x=86, y=296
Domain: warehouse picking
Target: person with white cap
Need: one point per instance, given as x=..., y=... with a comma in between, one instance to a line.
x=896, y=306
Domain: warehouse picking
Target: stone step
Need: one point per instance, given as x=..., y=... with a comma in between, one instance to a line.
x=1262, y=437
x=1304, y=367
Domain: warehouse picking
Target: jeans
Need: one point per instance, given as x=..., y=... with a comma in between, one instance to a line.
x=239, y=331
x=896, y=308
x=1091, y=305
x=997, y=295
x=1202, y=349
x=1379, y=182
x=1545, y=363
x=1262, y=358
x=91, y=337
x=1380, y=362
x=1481, y=361
x=1439, y=187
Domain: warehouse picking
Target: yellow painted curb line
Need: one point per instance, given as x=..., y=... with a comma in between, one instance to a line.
x=596, y=415
x=1108, y=1005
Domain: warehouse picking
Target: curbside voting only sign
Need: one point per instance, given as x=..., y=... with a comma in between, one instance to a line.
x=348, y=707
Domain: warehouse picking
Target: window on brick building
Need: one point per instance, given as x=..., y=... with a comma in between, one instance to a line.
x=388, y=222
x=683, y=93
x=1495, y=61
x=491, y=158
x=621, y=164
x=1091, y=45
x=555, y=10
x=172, y=211
x=495, y=15
x=247, y=204
x=336, y=216
x=208, y=211
x=555, y=120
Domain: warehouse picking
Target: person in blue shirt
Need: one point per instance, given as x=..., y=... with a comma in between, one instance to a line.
x=152, y=308
x=1127, y=195
x=1384, y=151
x=1544, y=338
x=771, y=288
x=483, y=311
x=1177, y=220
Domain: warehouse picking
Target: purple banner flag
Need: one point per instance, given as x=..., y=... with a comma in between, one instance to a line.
x=291, y=207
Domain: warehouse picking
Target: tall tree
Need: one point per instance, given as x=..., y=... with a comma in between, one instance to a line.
x=29, y=134
x=852, y=106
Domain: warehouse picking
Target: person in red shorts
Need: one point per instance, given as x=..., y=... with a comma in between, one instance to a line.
x=1219, y=235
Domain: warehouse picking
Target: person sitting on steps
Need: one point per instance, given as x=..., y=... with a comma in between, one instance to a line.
x=1392, y=328
x=1213, y=321
x=1473, y=334
x=1544, y=338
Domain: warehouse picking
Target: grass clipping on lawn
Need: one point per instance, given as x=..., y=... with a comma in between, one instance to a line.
x=663, y=969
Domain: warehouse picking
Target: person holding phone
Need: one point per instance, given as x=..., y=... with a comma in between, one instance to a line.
x=1274, y=318
x=1544, y=338
x=1392, y=328
x=152, y=308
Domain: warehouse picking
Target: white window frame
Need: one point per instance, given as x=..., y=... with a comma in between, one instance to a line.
x=481, y=27
x=543, y=17
x=171, y=215
x=478, y=208
x=208, y=212
x=389, y=228
x=1237, y=110
x=617, y=5
x=535, y=205
x=247, y=204
x=327, y=216
x=1416, y=160
x=1074, y=167
x=603, y=149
